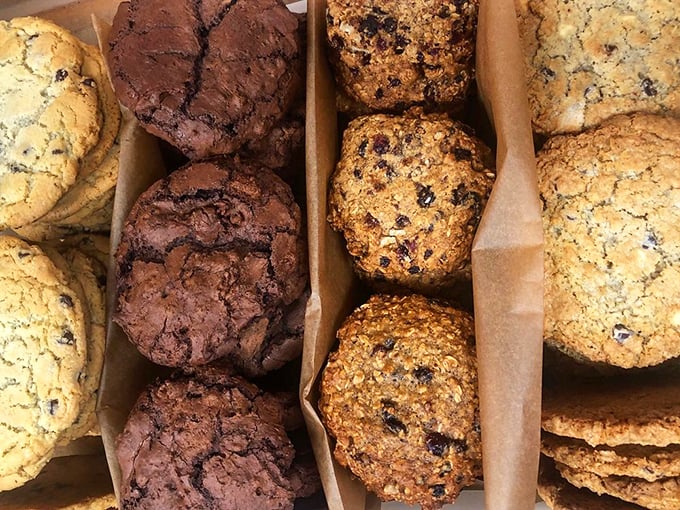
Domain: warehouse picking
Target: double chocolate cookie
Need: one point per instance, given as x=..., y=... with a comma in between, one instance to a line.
x=212, y=264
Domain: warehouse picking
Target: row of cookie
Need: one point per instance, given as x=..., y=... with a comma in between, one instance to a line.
x=53, y=322
x=59, y=160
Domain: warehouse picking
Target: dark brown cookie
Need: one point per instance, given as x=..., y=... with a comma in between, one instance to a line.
x=207, y=440
x=210, y=262
x=206, y=76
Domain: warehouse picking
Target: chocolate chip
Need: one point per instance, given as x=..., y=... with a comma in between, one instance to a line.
x=610, y=48
x=89, y=82
x=394, y=82
x=384, y=261
x=423, y=374
x=393, y=423
x=369, y=26
x=650, y=241
x=389, y=25
x=437, y=443
x=379, y=94
x=414, y=270
x=621, y=333
x=427, y=254
x=547, y=72
x=66, y=338
x=648, y=87
x=15, y=169
x=61, y=75
x=438, y=490
x=52, y=406
x=27, y=151
x=381, y=144
x=462, y=154
x=425, y=196
x=386, y=346
x=57, y=151
x=66, y=300
x=23, y=254
x=362, y=148
x=357, y=173
x=402, y=221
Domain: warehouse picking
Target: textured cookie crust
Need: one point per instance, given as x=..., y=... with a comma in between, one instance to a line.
x=391, y=55
x=559, y=494
x=646, y=462
x=408, y=194
x=400, y=397
x=636, y=410
x=50, y=117
x=612, y=246
x=42, y=354
x=207, y=441
x=659, y=495
x=599, y=59
x=209, y=261
x=219, y=75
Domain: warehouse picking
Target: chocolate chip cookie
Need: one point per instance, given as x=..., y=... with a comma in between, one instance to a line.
x=399, y=396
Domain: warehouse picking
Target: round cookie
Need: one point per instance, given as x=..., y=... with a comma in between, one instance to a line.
x=587, y=64
x=51, y=117
x=95, y=246
x=659, y=495
x=558, y=494
x=219, y=76
x=641, y=410
x=206, y=440
x=647, y=462
x=209, y=260
x=400, y=398
x=408, y=194
x=391, y=55
x=42, y=354
x=612, y=247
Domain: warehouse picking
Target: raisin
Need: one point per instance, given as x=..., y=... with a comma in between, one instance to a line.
x=394, y=82
x=402, y=221
x=371, y=221
x=66, y=338
x=460, y=445
x=427, y=254
x=621, y=333
x=414, y=270
x=444, y=12
x=379, y=94
x=386, y=346
x=366, y=59
x=423, y=374
x=61, y=75
x=337, y=42
x=438, y=490
x=400, y=44
x=381, y=44
x=381, y=144
x=459, y=479
x=402, y=252
x=362, y=148
x=66, y=300
x=430, y=92
x=648, y=87
x=408, y=138
x=389, y=25
x=459, y=78
x=370, y=25
x=437, y=443
x=384, y=261
x=462, y=154
x=393, y=423
x=425, y=196
x=52, y=406
x=610, y=48
x=357, y=173
x=89, y=82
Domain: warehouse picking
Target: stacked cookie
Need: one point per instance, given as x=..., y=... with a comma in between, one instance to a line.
x=53, y=317
x=58, y=159
x=399, y=395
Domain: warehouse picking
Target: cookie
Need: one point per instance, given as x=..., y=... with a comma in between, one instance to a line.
x=636, y=410
x=647, y=462
x=50, y=113
x=219, y=76
x=659, y=495
x=94, y=246
x=207, y=440
x=612, y=249
x=209, y=260
x=408, y=194
x=604, y=58
x=558, y=494
x=391, y=55
x=399, y=396
x=42, y=354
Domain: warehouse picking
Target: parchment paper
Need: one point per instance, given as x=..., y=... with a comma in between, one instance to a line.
x=507, y=271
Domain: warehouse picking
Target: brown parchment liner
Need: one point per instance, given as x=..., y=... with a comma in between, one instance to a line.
x=507, y=271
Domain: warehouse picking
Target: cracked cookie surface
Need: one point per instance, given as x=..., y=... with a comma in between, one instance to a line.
x=590, y=61
x=42, y=355
x=391, y=55
x=408, y=194
x=612, y=247
x=210, y=261
x=400, y=397
x=50, y=117
x=208, y=440
x=206, y=76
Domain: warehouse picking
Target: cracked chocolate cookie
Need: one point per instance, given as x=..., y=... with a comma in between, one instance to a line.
x=206, y=76
x=612, y=247
x=390, y=55
x=210, y=262
x=400, y=398
x=408, y=194
x=589, y=62
x=211, y=441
